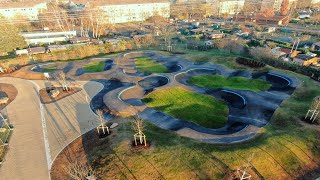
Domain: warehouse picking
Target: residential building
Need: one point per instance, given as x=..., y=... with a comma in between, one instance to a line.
x=260, y=19
x=279, y=52
x=230, y=7
x=129, y=10
x=276, y=4
x=215, y=35
x=33, y=50
x=29, y=10
x=305, y=60
x=47, y=37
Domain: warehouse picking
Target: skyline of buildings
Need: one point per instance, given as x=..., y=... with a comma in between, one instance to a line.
x=122, y=11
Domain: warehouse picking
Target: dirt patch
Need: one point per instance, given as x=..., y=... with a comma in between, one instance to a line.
x=7, y=90
x=79, y=150
x=46, y=98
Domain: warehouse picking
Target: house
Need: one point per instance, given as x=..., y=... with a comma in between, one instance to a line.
x=76, y=40
x=279, y=52
x=316, y=46
x=33, y=50
x=201, y=30
x=305, y=60
x=128, y=10
x=260, y=19
x=21, y=52
x=28, y=10
x=215, y=35
x=304, y=15
x=47, y=37
x=271, y=29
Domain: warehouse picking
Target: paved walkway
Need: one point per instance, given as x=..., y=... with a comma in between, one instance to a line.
x=42, y=131
x=70, y=117
x=26, y=158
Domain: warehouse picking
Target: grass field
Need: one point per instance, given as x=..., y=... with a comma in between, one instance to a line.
x=277, y=154
x=240, y=83
x=94, y=67
x=147, y=65
x=201, y=109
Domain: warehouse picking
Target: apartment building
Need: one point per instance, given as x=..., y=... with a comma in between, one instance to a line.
x=123, y=11
x=29, y=10
x=230, y=7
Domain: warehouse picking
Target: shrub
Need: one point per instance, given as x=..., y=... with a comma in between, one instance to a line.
x=250, y=62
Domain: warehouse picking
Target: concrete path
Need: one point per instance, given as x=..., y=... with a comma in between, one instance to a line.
x=42, y=131
x=26, y=158
x=70, y=117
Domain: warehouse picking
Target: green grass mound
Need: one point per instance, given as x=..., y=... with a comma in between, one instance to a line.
x=201, y=109
x=94, y=67
x=147, y=65
x=48, y=69
x=240, y=83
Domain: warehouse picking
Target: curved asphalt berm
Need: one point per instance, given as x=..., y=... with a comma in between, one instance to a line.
x=247, y=109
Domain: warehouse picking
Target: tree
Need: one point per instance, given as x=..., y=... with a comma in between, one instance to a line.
x=168, y=33
x=268, y=13
x=261, y=53
x=205, y=10
x=137, y=127
x=316, y=18
x=220, y=43
x=80, y=171
x=61, y=77
x=94, y=20
x=284, y=10
x=102, y=124
x=60, y=17
x=10, y=38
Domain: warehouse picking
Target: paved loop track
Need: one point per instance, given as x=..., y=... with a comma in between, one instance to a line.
x=248, y=110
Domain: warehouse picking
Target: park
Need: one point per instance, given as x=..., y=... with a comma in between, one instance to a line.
x=160, y=115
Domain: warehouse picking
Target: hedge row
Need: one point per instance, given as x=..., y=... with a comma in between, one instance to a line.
x=250, y=62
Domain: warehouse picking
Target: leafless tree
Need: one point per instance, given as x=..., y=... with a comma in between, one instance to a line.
x=138, y=127
x=284, y=10
x=102, y=125
x=168, y=32
x=61, y=77
x=60, y=16
x=79, y=171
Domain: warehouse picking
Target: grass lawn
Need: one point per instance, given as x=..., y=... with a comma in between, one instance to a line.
x=201, y=109
x=278, y=154
x=147, y=65
x=94, y=67
x=240, y=83
x=48, y=69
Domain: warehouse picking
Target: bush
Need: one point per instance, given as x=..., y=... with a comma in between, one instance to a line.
x=250, y=62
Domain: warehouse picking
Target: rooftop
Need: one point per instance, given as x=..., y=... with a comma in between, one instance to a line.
x=6, y=5
x=118, y=2
x=304, y=57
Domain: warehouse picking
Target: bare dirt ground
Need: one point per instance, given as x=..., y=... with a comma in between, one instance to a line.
x=46, y=98
x=10, y=91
